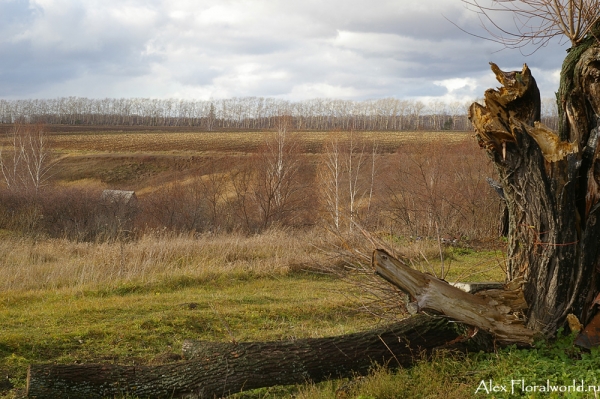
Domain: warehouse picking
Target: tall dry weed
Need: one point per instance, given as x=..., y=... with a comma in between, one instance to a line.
x=28, y=264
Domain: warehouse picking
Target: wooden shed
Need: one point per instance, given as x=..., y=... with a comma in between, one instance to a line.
x=121, y=197
x=119, y=210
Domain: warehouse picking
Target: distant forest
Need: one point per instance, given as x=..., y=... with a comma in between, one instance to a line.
x=251, y=113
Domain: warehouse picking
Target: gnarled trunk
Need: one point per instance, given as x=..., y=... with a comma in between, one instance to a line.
x=551, y=183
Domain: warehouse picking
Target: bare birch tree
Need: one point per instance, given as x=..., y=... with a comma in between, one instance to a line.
x=354, y=159
x=277, y=185
x=330, y=178
x=28, y=163
x=347, y=175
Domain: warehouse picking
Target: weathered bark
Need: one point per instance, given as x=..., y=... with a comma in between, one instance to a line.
x=218, y=369
x=499, y=312
x=551, y=183
x=503, y=225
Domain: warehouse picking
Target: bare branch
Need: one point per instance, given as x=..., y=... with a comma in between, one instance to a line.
x=536, y=22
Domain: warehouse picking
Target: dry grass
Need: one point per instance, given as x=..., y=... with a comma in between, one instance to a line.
x=26, y=264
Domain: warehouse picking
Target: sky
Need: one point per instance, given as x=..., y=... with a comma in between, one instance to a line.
x=288, y=49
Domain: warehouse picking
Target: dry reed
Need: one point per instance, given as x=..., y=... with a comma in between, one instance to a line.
x=27, y=264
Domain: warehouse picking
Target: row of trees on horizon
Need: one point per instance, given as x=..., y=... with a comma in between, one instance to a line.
x=252, y=113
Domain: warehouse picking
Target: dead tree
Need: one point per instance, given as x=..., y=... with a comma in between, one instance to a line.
x=551, y=185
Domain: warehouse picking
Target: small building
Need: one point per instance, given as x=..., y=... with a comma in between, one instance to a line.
x=119, y=208
x=121, y=197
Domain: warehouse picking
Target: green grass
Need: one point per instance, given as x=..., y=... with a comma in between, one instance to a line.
x=145, y=321
x=132, y=325
x=467, y=265
x=462, y=263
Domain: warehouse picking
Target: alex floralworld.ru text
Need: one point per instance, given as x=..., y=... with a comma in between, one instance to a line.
x=520, y=386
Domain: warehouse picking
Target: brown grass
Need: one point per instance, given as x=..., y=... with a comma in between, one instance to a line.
x=27, y=264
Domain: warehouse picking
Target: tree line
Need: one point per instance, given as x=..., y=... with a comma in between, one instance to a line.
x=251, y=113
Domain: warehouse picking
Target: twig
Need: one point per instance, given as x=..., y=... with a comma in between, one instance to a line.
x=388, y=348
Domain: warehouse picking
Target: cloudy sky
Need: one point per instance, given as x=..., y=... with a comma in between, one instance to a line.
x=290, y=49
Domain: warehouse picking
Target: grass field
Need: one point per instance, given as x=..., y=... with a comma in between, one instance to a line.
x=133, y=302
x=180, y=142
x=142, y=324
x=265, y=287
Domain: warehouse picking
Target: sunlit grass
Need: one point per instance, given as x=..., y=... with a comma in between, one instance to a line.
x=135, y=302
x=137, y=324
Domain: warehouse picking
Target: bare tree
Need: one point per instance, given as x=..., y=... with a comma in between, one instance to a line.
x=28, y=163
x=213, y=186
x=354, y=159
x=538, y=21
x=549, y=112
x=211, y=118
x=241, y=203
x=276, y=178
x=438, y=110
x=416, y=111
x=347, y=174
x=330, y=177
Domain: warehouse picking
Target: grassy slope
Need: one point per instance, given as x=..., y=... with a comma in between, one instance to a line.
x=65, y=302
x=145, y=323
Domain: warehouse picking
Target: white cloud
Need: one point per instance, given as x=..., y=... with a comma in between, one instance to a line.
x=458, y=89
x=456, y=83
x=353, y=49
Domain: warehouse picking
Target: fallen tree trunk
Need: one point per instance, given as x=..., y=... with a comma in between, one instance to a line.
x=219, y=369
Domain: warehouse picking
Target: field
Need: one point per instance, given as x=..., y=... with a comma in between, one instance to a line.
x=134, y=300
x=210, y=142
x=119, y=158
